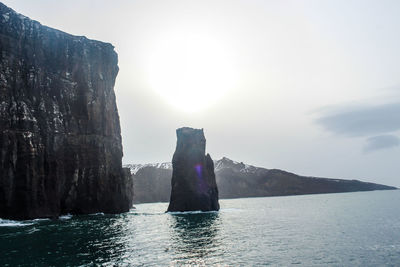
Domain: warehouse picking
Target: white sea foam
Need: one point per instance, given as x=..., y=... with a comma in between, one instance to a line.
x=11, y=223
x=191, y=212
x=135, y=212
x=65, y=217
x=41, y=220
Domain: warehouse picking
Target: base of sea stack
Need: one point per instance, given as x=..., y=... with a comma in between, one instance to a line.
x=190, y=202
x=193, y=207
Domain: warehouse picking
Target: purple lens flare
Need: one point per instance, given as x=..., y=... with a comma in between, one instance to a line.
x=199, y=170
x=201, y=185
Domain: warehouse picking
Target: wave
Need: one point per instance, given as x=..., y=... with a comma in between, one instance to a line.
x=97, y=214
x=11, y=223
x=41, y=220
x=33, y=230
x=65, y=217
x=191, y=212
x=145, y=213
x=230, y=210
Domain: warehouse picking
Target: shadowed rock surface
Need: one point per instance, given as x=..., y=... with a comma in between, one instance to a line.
x=193, y=179
x=237, y=180
x=60, y=141
x=152, y=184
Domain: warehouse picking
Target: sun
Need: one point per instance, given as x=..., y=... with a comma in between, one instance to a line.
x=191, y=71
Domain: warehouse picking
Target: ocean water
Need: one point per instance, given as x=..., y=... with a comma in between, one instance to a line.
x=348, y=229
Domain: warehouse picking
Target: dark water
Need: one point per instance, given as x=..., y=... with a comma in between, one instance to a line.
x=351, y=229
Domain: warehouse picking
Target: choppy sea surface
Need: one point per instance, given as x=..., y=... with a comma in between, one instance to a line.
x=348, y=229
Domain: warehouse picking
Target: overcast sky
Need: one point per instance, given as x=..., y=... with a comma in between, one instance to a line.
x=311, y=87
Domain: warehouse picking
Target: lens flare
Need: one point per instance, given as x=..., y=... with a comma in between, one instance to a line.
x=199, y=169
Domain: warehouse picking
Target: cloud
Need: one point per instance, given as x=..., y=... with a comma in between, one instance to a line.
x=362, y=121
x=381, y=142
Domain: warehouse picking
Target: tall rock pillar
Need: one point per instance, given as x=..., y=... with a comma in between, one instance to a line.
x=193, y=179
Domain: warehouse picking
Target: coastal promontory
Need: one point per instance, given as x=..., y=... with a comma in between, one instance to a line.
x=60, y=141
x=193, y=185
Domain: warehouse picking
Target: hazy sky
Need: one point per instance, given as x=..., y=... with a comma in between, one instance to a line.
x=311, y=87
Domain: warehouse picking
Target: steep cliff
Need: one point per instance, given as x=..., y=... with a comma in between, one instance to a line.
x=193, y=179
x=60, y=141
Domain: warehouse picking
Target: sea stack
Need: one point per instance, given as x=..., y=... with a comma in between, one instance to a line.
x=60, y=141
x=193, y=179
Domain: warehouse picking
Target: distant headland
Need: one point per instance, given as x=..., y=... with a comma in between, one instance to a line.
x=240, y=180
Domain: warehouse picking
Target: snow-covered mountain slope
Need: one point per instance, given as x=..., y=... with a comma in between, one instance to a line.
x=226, y=163
x=136, y=167
x=221, y=164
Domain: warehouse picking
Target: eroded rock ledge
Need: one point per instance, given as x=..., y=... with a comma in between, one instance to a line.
x=60, y=141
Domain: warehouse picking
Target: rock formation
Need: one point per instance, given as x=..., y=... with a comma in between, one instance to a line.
x=242, y=180
x=60, y=141
x=193, y=179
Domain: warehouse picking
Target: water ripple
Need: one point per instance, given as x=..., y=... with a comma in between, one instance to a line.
x=357, y=229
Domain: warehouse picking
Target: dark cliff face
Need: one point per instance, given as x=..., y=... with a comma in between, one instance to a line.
x=238, y=180
x=193, y=179
x=152, y=185
x=60, y=139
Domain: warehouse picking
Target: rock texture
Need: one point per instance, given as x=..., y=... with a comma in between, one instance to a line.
x=193, y=179
x=238, y=180
x=60, y=142
x=152, y=184
x=243, y=180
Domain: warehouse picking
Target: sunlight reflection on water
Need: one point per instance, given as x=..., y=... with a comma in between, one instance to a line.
x=333, y=229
